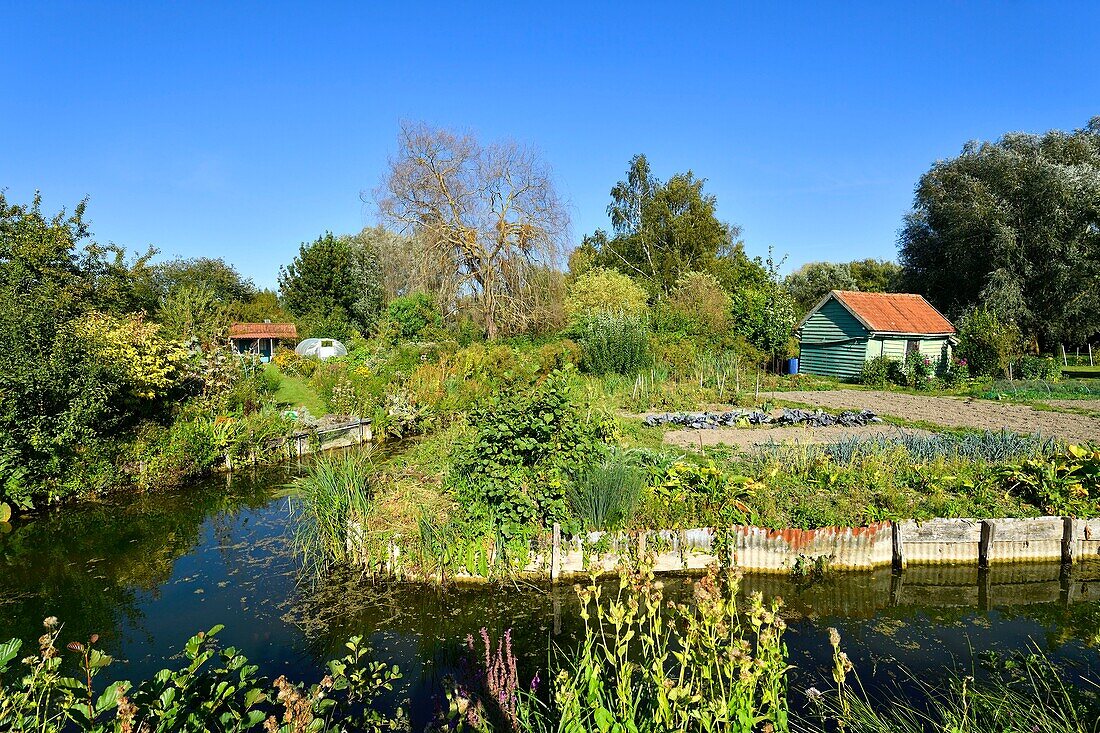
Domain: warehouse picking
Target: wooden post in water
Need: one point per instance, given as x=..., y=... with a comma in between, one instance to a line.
x=986, y=542
x=555, y=553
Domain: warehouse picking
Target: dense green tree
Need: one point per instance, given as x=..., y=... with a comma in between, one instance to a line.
x=876, y=276
x=809, y=283
x=1013, y=226
x=662, y=230
x=765, y=315
x=263, y=306
x=193, y=313
x=214, y=275
x=69, y=374
x=334, y=279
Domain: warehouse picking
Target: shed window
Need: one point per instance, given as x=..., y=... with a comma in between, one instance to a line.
x=912, y=345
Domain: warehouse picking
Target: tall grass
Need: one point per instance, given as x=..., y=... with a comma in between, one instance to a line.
x=605, y=495
x=614, y=343
x=1035, y=698
x=334, y=497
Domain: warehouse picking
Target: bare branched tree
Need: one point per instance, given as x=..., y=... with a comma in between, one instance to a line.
x=490, y=211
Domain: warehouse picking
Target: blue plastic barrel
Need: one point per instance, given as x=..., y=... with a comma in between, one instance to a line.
x=792, y=366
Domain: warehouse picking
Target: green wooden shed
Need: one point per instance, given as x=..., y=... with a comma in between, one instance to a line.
x=846, y=328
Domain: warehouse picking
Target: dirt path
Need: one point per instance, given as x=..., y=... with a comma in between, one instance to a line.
x=953, y=412
x=748, y=437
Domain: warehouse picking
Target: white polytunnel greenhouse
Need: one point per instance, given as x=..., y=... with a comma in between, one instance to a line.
x=321, y=348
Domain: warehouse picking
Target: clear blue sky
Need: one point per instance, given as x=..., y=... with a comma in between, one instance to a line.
x=238, y=130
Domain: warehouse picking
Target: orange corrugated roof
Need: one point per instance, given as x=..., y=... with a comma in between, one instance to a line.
x=263, y=331
x=895, y=312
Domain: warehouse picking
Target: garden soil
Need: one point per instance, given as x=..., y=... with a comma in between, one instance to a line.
x=953, y=412
x=799, y=434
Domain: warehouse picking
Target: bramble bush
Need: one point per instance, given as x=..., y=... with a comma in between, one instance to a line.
x=521, y=449
x=413, y=314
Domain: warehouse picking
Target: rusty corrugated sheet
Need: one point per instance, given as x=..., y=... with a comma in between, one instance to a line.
x=848, y=548
x=905, y=313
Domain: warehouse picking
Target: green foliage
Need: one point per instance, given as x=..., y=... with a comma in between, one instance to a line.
x=215, y=690
x=765, y=315
x=600, y=290
x=1043, y=368
x=688, y=492
x=1067, y=483
x=515, y=460
x=989, y=344
x=613, y=343
x=809, y=283
x=193, y=313
x=698, y=306
x=414, y=313
x=663, y=229
x=216, y=276
x=335, y=496
x=604, y=495
x=1010, y=226
x=334, y=280
x=707, y=666
x=879, y=371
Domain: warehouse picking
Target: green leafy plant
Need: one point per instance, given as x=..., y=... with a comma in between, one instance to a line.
x=710, y=666
x=215, y=690
x=613, y=343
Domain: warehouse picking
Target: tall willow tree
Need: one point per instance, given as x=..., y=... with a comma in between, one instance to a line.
x=1013, y=226
x=489, y=212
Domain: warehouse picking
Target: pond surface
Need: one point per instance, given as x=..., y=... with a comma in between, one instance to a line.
x=146, y=572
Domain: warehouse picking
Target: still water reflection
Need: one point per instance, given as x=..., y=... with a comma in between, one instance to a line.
x=147, y=572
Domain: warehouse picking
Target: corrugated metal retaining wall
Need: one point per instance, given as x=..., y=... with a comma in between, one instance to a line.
x=950, y=551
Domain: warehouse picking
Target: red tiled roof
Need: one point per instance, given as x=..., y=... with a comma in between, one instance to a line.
x=895, y=312
x=263, y=331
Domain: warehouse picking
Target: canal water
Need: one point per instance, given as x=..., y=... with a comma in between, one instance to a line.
x=146, y=572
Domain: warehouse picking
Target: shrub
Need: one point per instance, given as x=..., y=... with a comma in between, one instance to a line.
x=989, y=345
x=600, y=291
x=957, y=373
x=878, y=371
x=514, y=462
x=1043, y=368
x=411, y=314
x=919, y=371
x=603, y=497
x=699, y=306
x=614, y=343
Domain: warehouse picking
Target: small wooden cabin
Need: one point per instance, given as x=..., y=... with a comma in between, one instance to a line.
x=261, y=338
x=847, y=328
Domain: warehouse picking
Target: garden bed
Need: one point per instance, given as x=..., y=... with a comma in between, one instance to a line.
x=953, y=412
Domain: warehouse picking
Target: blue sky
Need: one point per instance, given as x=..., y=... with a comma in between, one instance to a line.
x=238, y=130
